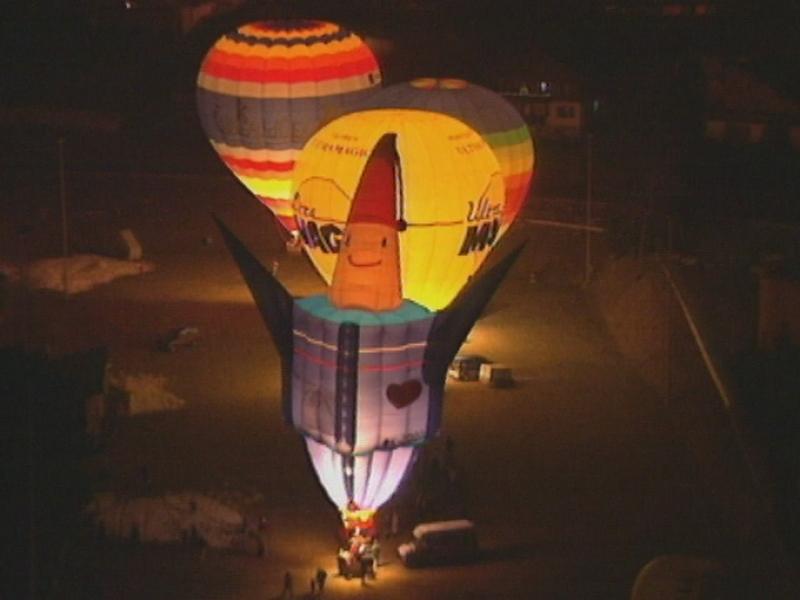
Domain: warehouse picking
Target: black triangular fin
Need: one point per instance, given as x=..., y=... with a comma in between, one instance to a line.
x=451, y=326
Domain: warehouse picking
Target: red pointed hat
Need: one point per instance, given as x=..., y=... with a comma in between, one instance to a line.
x=374, y=201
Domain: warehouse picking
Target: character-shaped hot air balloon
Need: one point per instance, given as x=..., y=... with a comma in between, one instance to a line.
x=485, y=111
x=363, y=366
x=449, y=197
x=367, y=276
x=263, y=89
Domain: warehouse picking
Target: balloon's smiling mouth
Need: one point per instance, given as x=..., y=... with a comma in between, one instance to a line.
x=373, y=263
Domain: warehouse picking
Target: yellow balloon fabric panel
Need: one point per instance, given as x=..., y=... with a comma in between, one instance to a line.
x=450, y=196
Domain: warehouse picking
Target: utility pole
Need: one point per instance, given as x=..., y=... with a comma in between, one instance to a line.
x=62, y=193
x=33, y=582
x=587, y=269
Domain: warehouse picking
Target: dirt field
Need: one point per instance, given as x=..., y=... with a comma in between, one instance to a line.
x=574, y=476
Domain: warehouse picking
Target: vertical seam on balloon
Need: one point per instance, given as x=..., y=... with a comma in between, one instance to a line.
x=401, y=238
x=434, y=409
x=382, y=395
x=406, y=333
x=386, y=468
x=348, y=462
x=367, y=476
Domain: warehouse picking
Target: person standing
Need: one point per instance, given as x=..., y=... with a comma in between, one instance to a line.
x=322, y=575
x=376, y=556
x=287, y=586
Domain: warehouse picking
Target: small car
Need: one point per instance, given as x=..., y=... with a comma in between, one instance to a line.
x=440, y=543
x=466, y=367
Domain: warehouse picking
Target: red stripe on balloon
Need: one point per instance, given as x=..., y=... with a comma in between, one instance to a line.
x=357, y=55
x=258, y=165
x=288, y=74
x=406, y=365
x=288, y=222
x=332, y=364
x=277, y=202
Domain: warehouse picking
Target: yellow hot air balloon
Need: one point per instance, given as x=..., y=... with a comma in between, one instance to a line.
x=450, y=196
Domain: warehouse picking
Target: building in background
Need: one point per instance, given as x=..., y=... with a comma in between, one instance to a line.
x=550, y=96
x=742, y=109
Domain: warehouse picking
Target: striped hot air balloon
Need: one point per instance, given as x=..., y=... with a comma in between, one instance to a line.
x=264, y=89
x=488, y=113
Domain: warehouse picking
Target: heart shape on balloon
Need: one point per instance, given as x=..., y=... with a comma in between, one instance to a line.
x=403, y=394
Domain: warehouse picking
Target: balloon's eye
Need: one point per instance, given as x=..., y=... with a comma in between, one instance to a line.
x=383, y=243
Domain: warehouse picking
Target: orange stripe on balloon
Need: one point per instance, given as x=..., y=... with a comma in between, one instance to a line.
x=226, y=150
x=263, y=175
x=282, y=204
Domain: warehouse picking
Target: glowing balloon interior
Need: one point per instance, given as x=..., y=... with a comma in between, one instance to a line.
x=369, y=480
x=450, y=196
x=263, y=89
x=486, y=112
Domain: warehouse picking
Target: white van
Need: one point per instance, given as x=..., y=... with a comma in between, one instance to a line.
x=440, y=543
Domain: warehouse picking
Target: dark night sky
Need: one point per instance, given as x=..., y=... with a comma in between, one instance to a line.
x=95, y=55
x=57, y=43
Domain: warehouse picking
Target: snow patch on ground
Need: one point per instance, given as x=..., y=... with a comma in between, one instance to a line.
x=81, y=272
x=148, y=393
x=173, y=517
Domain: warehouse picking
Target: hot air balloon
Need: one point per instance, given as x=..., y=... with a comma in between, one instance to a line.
x=365, y=395
x=363, y=366
x=450, y=196
x=263, y=89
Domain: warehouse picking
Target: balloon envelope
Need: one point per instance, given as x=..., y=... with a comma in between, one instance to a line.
x=450, y=196
x=368, y=479
x=263, y=89
x=486, y=112
x=357, y=376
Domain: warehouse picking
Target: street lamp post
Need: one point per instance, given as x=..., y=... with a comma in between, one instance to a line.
x=587, y=269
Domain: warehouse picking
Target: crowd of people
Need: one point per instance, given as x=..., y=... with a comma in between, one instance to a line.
x=359, y=554
x=359, y=557
x=436, y=494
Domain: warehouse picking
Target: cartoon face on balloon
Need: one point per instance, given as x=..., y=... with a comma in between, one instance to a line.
x=367, y=273
x=445, y=208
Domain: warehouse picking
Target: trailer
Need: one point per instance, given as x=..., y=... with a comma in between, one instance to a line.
x=496, y=375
